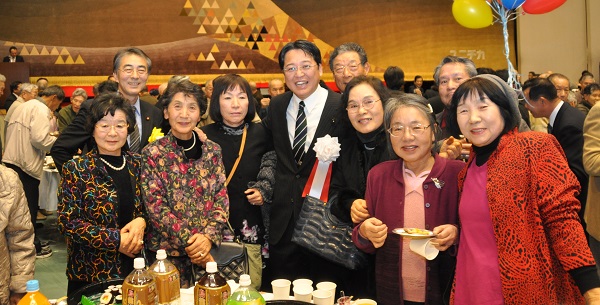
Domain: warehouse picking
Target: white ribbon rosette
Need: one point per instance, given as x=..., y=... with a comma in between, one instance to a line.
x=328, y=150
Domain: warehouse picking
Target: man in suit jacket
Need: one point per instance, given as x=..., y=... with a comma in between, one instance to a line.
x=131, y=68
x=15, y=89
x=565, y=123
x=13, y=57
x=301, y=64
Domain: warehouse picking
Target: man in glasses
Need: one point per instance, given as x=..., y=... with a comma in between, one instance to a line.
x=348, y=61
x=296, y=119
x=131, y=68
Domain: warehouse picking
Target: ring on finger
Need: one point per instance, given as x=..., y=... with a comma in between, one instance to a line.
x=141, y=242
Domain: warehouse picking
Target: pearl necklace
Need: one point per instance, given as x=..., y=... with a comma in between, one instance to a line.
x=114, y=167
x=193, y=144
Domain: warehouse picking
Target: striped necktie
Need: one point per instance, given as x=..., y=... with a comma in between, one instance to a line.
x=134, y=139
x=299, y=135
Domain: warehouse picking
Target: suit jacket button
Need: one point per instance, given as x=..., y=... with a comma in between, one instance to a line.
x=425, y=186
x=297, y=176
x=427, y=205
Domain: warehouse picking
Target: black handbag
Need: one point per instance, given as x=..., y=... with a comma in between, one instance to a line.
x=231, y=258
x=322, y=233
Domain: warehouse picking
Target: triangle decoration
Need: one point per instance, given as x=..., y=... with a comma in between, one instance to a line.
x=202, y=30
x=214, y=66
x=59, y=61
x=223, y=66
x=250, y=65
x=191, y=57
x=69, y=60
x=34, y=51
x=183, y=13
x=79, y=60
x=44, y=51
x=228, y=57
x=214, y=49
x=24, y=51
x=201, y=57
x=241, y=65
x=232, y=65
x=187, y=4
x=210, y=57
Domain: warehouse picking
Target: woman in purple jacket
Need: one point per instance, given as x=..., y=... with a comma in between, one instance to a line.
x=418, y=190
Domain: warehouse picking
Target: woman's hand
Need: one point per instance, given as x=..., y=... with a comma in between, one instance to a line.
x=125, y=242
x=358, y=211
x=198, y=249
x=592, y=296
x=254, y=196
x=201, y=134
x=132, y=236
x=374, y=230
x=450, y=149
x=445, y=236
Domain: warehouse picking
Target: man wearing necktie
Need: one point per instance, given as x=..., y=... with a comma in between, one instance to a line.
x=131, y=68
x=13, y=57
x=565, y=122
x=295, y=120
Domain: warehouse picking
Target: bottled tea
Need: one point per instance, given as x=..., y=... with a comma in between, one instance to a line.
x=167, y=280
x=211, y=289
x=139, y=287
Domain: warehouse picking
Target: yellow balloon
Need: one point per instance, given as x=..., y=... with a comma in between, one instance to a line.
x=473, y=14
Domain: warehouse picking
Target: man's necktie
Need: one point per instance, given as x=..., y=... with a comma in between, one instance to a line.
x=134, y=138
x=300, y=134
x=549, y=129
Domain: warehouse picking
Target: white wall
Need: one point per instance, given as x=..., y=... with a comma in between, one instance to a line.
x=566, y=40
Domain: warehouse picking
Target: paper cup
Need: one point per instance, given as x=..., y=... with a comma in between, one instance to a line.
x=322, y=297
x=302, y=282
x=303, y=292
x=281, y=289
x=328, y=286
x=424, y=248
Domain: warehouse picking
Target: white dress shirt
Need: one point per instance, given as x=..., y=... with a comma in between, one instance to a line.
x=314, y=105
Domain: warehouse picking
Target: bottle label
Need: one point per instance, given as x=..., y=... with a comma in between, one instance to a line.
x=139, y=294
x=211, y=296
x=168, y=287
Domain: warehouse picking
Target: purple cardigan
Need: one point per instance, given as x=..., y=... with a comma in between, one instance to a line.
x=385, y=198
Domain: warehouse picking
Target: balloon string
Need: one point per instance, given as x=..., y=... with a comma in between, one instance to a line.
x=504, y=16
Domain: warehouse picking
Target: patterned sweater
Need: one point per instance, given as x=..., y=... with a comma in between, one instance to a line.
x=531, y=193
x=88, y=209
x=183, y=196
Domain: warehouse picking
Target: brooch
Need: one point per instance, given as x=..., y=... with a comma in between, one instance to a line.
x=438, y=183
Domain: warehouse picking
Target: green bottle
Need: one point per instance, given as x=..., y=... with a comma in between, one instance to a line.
x=246, y=294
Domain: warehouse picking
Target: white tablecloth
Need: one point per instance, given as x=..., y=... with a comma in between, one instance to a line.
x=48, y=186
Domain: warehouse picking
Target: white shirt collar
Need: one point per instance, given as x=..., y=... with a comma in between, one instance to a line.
x=554, y=113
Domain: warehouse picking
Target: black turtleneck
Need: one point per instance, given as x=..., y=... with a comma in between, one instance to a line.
x=483, y=153
x=196, y=152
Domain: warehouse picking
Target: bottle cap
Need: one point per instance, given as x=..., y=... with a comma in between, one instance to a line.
x=245, y=280
x=211, y=267
x=139, y=263
x=33, y=285
x=161, y=254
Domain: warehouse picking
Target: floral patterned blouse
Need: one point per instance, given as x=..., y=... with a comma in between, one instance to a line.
x=183, y=196
x=88, y=213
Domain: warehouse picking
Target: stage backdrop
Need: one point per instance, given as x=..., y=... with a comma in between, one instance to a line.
x=73, y=41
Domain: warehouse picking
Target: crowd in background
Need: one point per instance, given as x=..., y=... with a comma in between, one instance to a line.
x=503, y=177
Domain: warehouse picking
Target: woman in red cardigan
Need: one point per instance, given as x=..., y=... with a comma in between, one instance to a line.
x=521, y=241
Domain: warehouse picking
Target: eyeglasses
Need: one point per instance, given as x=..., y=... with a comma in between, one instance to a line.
x=562, y=90
x=293, y=69
x=105, y=128
x=340, y=69
x=139, y=70
x=397, y=130
x=353, y=107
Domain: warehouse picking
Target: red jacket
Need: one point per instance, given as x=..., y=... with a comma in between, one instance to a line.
x=531, y=192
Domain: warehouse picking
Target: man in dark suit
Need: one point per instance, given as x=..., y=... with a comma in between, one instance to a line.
x=15, y=89
x=323, y=112
x=565, y=123
x=13, y=57
x=131, y=68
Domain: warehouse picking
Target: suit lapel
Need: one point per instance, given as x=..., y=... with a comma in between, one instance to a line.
x=146, y=117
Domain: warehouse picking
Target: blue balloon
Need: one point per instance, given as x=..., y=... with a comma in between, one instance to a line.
x=512, y=4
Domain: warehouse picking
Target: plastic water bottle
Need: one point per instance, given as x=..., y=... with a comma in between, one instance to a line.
x=139, y=287
x=246, y=294
x=167, y=280
x=34, y=296
x=211, y=289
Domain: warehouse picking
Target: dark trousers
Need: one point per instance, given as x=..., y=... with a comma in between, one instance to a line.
x=290, y=261
x=31, y=186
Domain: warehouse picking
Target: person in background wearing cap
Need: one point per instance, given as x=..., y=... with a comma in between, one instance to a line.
x=520, y=233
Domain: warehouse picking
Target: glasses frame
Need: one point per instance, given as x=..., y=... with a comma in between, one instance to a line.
x=129, y=70
x=412, y=130
x=116, y=127
x=339, y=70
x=294, y=69
x=362, y=105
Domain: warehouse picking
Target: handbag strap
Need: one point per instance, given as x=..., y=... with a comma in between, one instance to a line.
x=237, y=161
